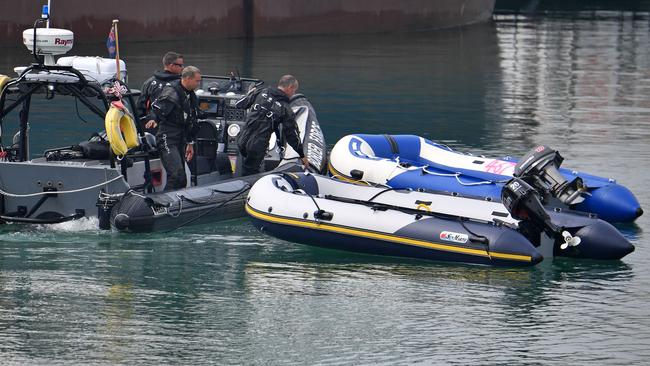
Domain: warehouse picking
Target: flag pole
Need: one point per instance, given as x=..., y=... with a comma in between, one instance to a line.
x=117, y=49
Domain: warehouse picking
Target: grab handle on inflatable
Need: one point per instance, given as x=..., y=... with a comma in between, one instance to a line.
x=356, y=174
x=323, y=215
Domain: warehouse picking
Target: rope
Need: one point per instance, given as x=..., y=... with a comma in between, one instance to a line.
x=347, y=179
x=59, y=192
x=134, y=193
x=209, y=199
x=398, y=165
x=243, y=190
x=312, y=198
x=388, y=190
x=485, y=240
x=180, y=207
x=457, y=176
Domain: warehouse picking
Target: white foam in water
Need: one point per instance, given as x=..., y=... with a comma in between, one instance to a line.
x=83, y=224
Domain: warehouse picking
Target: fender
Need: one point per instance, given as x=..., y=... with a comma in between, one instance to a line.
x=120, y=129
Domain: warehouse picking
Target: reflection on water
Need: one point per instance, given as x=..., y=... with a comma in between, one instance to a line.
x=226, y=294
x=423, y=304
x=582, y=87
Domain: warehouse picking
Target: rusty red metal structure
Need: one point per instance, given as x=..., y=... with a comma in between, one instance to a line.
x=203, y=19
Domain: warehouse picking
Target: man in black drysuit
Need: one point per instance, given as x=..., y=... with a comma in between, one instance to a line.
x=175, y=111
x=268, y=112
x=172, y=68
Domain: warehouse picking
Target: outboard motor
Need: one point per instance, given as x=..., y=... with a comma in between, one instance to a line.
x=105, y=204
x=575, y=234
x=539, y=167
x=523, y=203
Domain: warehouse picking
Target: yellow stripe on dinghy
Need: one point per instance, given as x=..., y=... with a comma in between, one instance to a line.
x=120, y=130
x=382, y=236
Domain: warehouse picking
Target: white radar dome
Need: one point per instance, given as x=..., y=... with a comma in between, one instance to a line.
x=49, y=41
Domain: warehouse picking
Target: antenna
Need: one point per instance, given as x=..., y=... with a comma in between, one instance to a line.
x=48, y=11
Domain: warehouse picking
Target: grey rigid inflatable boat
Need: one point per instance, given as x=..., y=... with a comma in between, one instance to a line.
x=87, y=180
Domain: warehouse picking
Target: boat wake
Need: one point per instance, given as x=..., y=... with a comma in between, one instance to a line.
x=86, y=224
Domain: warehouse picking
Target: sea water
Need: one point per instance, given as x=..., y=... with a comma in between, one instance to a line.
x=227, y=294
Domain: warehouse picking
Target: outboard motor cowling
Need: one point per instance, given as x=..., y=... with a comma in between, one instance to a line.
x=523, y=203
x=539, y=167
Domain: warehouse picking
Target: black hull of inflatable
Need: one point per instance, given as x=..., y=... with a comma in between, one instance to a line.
x=216, y=202
x=225, y=208
x=596, y=246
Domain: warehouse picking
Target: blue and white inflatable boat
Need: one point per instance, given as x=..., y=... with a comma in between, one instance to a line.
x=408, y=161
x=321, y=211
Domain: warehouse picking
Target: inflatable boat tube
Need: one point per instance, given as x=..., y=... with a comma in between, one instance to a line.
x=166, y=211
x=403, y=161
x=326, y=212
